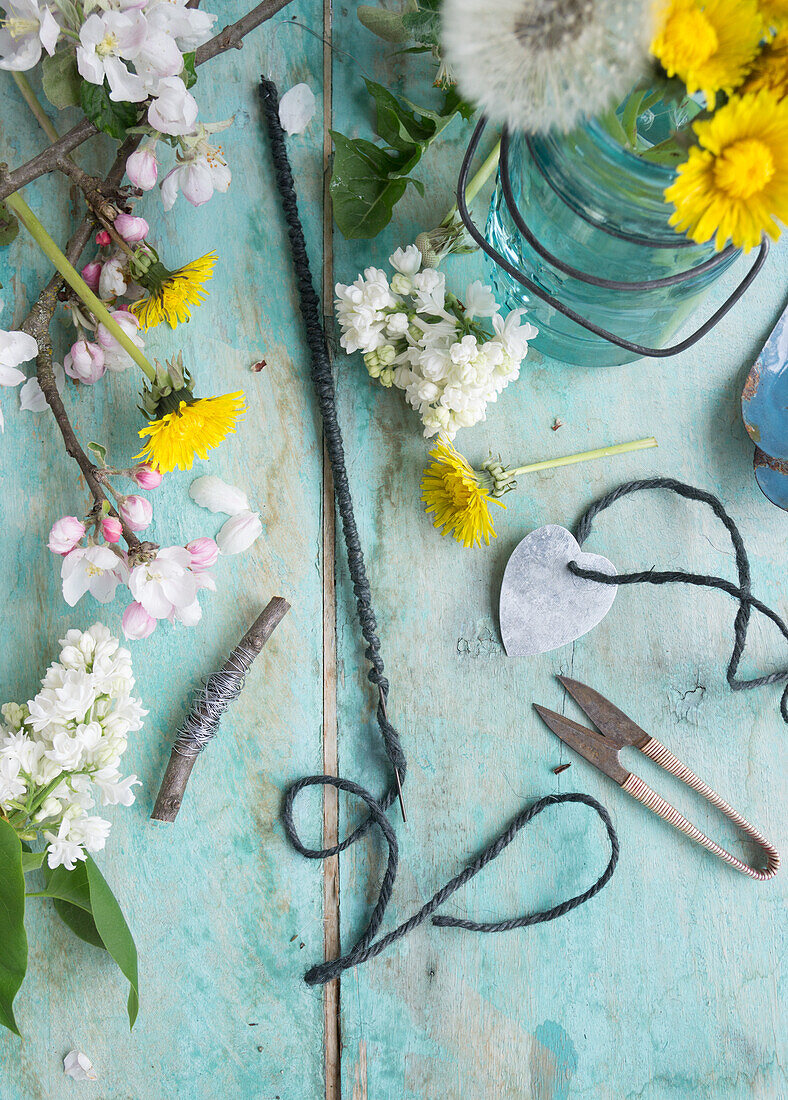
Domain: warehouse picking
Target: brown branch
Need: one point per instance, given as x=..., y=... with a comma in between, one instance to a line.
x=37, y=325
x=231, y=38
x=47, y=160
x=50, y=159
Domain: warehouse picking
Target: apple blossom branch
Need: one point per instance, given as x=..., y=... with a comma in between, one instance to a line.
x=37, y=325
x=52, y=158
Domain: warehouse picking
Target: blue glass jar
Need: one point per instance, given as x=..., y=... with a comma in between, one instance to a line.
x=601, y=210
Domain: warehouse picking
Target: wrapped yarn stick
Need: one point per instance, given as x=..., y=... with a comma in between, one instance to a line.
x=209, y=703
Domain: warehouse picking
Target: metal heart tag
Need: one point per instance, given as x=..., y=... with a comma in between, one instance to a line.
x=543, y=605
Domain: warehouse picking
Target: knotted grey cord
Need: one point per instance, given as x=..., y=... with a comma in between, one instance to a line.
x=742, y=592
x=365, y=947
x=211, y=701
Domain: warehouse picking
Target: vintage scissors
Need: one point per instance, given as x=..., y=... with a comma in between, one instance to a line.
x=617, y=730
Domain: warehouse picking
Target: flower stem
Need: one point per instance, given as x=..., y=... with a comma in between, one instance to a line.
x=479, y=179
x=36, y=230
x=584, y=456
x=29, y=96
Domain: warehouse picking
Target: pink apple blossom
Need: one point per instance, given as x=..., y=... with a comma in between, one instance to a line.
x=130, y=228
x=146, y=477
x=65, y=534
x=111, y=528
x=137, y=623
x=91, y=273
x=142, y=169
x=103, y=238
x=116, y=357
x=85, y=362
x=204, y=552
x=136, y=511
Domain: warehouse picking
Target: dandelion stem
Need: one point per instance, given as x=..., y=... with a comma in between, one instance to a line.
x=479, y=179
x=29, y=96
x=584, y=456
x=36, y=230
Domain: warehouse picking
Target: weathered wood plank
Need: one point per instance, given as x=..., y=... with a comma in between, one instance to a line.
x=217, y=902
x=666, y=984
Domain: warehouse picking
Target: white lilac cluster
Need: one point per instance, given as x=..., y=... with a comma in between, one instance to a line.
x=60, y=752
x=416, y=335
x=136, y=48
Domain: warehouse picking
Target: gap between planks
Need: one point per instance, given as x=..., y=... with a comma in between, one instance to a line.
x=331, y=941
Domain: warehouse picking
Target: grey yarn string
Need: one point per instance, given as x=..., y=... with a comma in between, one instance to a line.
x=366, y=947
x=211, y=701
x=742, y=592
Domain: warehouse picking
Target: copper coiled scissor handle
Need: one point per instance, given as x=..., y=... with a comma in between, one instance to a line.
x=635, y=786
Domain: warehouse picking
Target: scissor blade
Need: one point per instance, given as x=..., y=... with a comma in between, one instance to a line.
x=588, y=743
x=614, y=724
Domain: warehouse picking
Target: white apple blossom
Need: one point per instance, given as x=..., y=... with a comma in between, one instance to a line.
x=112, y=280
x=26, y=27
x=94, y=569
x=197, y=176
x=117, y=358
x=166, y=585
x=174, y=109
x=106, y=42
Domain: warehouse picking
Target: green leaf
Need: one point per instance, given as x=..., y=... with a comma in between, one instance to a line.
x=364, y=187
x=368, y=179
x=79, y=921
x=189, y=74
x=387, y=25
x=13, y=940
x=99, y=451
x=113, y=118
x=31, y=861
x=9, y=226
x=61, y=80
x=68, y=886
x=70, y=894
x=114, y=932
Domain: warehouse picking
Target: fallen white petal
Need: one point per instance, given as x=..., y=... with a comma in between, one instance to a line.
x=217, y=496
x=296, y=108
x=31, y=396
x=239, y=533
x=79, y=1066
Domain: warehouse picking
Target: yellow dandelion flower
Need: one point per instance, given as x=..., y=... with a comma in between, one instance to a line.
x=452, y=490
x=190, y=431
x=735, y=185
x=770, y=70
x=709, y=45
x=774, y=14
x=173, y=292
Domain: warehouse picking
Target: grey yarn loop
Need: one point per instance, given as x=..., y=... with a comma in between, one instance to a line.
x=741, y=592
x=366, y=947
x=209, y=704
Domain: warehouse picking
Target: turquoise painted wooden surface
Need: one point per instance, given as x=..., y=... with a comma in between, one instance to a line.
x=667, y=984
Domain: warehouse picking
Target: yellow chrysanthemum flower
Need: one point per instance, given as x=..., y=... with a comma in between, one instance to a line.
x=451, y=489
x=735, y=185
x=708, y=44
x=189, y=432
x=173, y=292
x=775, y=14
x=770, y=70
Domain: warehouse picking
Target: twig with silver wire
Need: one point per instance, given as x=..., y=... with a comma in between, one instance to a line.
x=208, y=706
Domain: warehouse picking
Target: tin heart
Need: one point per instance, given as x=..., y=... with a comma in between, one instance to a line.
x=543, y=605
